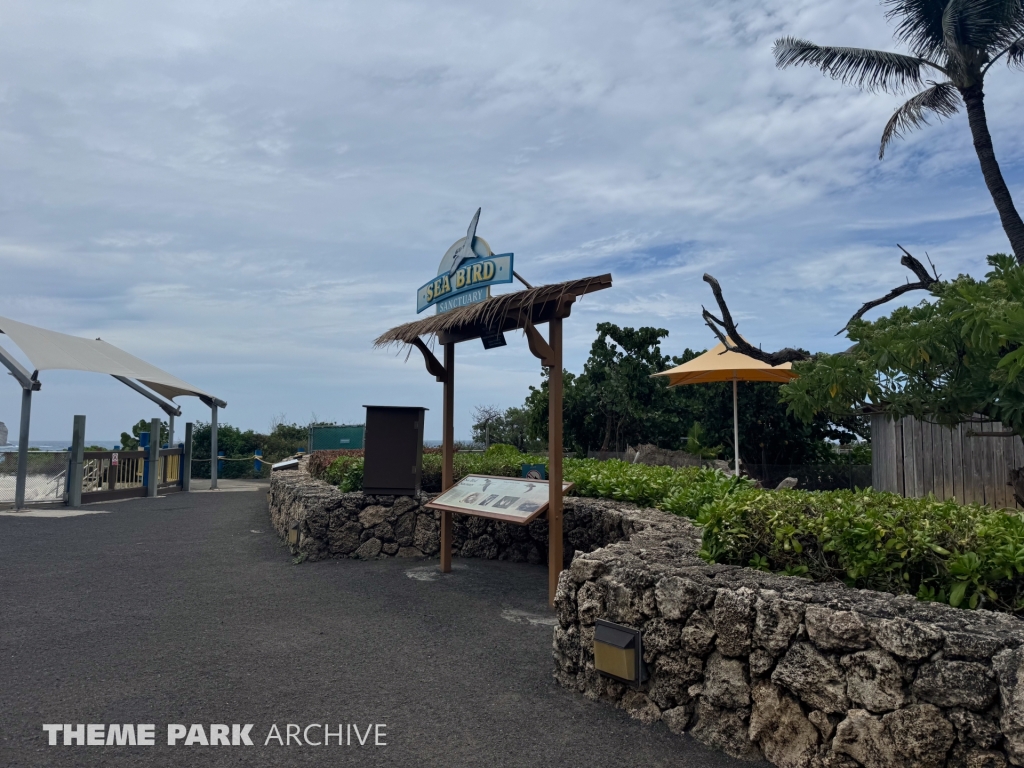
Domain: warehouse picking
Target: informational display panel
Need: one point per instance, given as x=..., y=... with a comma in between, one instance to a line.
x=513, y=499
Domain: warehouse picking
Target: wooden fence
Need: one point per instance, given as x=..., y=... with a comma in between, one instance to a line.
x=968, y=463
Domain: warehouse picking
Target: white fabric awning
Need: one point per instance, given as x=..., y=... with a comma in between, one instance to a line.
x=49, y=350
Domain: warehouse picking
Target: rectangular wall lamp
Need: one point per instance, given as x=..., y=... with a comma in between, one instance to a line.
x=618, y=652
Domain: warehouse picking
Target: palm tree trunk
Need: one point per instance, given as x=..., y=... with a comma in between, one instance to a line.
x=974, y=99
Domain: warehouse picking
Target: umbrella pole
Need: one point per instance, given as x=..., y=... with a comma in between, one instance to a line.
x=736, y=426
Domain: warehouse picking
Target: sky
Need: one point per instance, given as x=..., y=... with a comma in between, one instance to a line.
x=247, y=193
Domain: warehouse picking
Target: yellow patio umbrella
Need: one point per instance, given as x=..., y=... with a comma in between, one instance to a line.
x=720, y=365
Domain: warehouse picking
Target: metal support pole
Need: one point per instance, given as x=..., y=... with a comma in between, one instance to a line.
x=555, y=553
x=736, y=426
x=169, y=408
x=26, y=416
x=77, y=462
x=448, y=454
x=154, y=458
x=213, y=447
x=186, y=460
x=170, y=430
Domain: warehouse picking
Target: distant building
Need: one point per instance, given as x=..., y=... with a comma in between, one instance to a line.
x=3, y=433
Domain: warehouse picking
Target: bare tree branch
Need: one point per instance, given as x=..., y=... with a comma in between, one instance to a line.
x=924, y=283
x=731, y=337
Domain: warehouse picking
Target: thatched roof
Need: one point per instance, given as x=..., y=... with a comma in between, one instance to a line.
x=499, y=313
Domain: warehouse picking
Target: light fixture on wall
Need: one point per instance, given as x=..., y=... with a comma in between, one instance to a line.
x=618, y=652
x=293, y=534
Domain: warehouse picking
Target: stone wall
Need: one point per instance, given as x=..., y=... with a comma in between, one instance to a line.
x=805, y=675
x=802, y=674
x=356, y=525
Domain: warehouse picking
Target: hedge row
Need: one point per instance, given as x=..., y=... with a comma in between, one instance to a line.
x=965, y=555
x=682, y=491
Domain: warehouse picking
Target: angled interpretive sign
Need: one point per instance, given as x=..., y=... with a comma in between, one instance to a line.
x=512, y=499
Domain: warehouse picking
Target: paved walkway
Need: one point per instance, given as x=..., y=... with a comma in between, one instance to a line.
x=187, y=609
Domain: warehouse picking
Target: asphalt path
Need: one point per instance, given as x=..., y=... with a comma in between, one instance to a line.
x=188, y=610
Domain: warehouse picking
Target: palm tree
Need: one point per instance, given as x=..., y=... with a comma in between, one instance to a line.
x=958, y=42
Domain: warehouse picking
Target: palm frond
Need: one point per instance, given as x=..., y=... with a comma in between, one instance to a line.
x=863, y=67
x=919, y=25
x=1015, y=55
x=941, y=98
x=971, y=26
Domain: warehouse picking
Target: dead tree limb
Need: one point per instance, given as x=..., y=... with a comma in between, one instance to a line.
x=924, y=283
x=725, y=330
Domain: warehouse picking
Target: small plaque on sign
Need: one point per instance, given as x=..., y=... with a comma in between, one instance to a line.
x=513, y=499
x=535, y=471
x=491, y=341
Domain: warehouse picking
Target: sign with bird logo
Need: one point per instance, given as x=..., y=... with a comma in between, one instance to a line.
x=465, y=274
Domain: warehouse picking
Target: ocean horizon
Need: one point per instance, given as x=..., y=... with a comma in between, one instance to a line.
x=58, y=445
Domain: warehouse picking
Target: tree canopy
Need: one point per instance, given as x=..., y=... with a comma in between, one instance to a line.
x=943, y=360
x=614, y=402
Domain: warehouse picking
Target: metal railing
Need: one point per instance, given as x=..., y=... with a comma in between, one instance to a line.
x=170, y=467
x=108, y=475
x=112, y=470
x=45, y=479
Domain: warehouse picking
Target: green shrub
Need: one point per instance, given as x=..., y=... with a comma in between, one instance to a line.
x=634, y=483
x=964, y=555
x=708, y=485
x=498, y=460
x=346, y=472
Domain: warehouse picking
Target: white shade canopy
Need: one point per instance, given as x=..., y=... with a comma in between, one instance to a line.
x=49, y=350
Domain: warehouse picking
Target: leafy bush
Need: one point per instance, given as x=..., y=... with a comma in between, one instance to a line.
x=964, y=555
x=634, y=483
x=283, y=441
x=346, y=472
x=498, y=460
x=708, y=485
x=682, y=491
x=968, y=556
x=320, y=461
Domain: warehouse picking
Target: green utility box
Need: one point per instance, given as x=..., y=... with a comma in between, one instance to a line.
x=348, y=436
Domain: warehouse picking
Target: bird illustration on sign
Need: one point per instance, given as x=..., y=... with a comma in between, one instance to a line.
x=465, y=248
x=466, y=273
x=465, y=251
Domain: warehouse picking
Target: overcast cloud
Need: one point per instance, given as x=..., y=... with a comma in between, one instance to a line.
x=246, y=194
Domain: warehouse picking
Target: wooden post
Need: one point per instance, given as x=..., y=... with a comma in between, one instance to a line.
x=448, y=454
x=554, y=458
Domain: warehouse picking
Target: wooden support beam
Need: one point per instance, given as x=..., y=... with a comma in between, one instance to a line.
x=434, y=367
x=448, y=452
x=555, y=554
x=540, y=348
